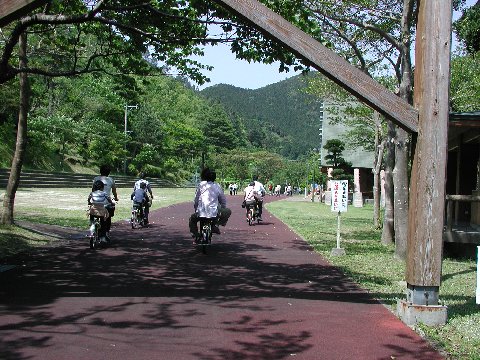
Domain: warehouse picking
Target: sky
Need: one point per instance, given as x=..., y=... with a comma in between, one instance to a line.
x=240, y=73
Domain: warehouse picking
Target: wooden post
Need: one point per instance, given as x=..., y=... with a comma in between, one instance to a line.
x=427, y=187
x=13, y=9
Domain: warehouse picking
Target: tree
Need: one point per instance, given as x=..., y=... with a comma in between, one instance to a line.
x=374, y=35
x=78, y=37
x=465, y=83
x=467, y=27
x=364, y=127
x=335, y=148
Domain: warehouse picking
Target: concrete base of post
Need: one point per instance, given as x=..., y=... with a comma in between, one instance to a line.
x=338, y=252
x=430, y=315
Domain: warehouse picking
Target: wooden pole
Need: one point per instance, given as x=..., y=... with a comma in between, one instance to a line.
x=427, y=187
x=14, y=9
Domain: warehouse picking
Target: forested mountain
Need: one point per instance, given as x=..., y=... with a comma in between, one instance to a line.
x=282, y=108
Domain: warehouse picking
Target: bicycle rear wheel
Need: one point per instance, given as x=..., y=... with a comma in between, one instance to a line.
x=250, y=217
x=95, y=238
x=133, y=219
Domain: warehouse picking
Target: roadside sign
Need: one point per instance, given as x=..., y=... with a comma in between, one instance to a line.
x=339, y=195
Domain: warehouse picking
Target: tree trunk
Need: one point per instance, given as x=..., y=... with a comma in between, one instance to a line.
x=400, y=174
x=400, y=193
x=17, y=161
x=388, y=233
x=377, y=164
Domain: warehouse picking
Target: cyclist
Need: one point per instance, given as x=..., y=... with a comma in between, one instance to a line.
x=210, y=202
x=98, y=201
x=259, y=194
x=109, y=188
x=249, y=197
x=149, y=193
x=140, y=199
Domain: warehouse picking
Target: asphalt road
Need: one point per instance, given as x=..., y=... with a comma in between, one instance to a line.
x=259, y=293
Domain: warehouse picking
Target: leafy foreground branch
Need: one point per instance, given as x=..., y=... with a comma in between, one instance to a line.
x=372, y=265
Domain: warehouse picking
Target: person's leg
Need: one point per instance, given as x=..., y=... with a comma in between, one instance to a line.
x=260, y=208
x=192, y=224
x=223, y=216
x=147, y=211
x=103, y=227
x=108, y=222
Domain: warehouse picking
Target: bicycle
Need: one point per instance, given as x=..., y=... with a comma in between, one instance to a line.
x=204, y=239
x=252, y=214
x=138, y=216
x=95, y=235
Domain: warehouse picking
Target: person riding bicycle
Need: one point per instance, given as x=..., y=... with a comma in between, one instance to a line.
x=259, y=194
x=140, y=199
x=148, y=188
x=249, y=197
x=210, y=202
x=109, y=188
x=98, y=201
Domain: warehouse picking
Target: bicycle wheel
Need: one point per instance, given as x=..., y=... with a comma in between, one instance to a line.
x=250, y=217
x=206, y=237
x=133, y=220
x=95, y=238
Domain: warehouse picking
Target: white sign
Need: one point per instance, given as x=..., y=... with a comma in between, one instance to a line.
x=339, y=195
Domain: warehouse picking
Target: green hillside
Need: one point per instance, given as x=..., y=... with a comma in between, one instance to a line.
x=282, y=108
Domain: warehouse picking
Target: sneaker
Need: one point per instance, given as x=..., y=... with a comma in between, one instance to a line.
x=103, y=240
x=259, y=218
x=215, y=229
x=107, y=236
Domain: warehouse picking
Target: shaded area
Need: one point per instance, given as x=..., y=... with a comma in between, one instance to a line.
x=259, y=293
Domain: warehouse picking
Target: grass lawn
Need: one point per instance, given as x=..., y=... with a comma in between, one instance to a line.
x=67, y=207
x=373, y=266
x=367, y=262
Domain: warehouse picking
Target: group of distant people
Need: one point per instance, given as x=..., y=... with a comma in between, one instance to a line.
x=233, y=188
x=209, y=200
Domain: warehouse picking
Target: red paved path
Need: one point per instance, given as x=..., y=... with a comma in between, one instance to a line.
x=260, y=293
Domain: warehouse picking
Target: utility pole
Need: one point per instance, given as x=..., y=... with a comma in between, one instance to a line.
x=125, y=134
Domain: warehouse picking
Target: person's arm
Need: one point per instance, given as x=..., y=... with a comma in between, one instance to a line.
x=195, y=200
x=114, y=191
x=222, y=200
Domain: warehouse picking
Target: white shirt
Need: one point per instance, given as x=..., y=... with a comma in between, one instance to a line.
x=147, y=185
x=249, y=193
x=208, y=197
x=259, y=190
x=108, y=183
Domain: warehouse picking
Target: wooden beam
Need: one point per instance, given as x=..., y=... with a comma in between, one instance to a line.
x=326, y=61
x=427, y=184
x=14, y=9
